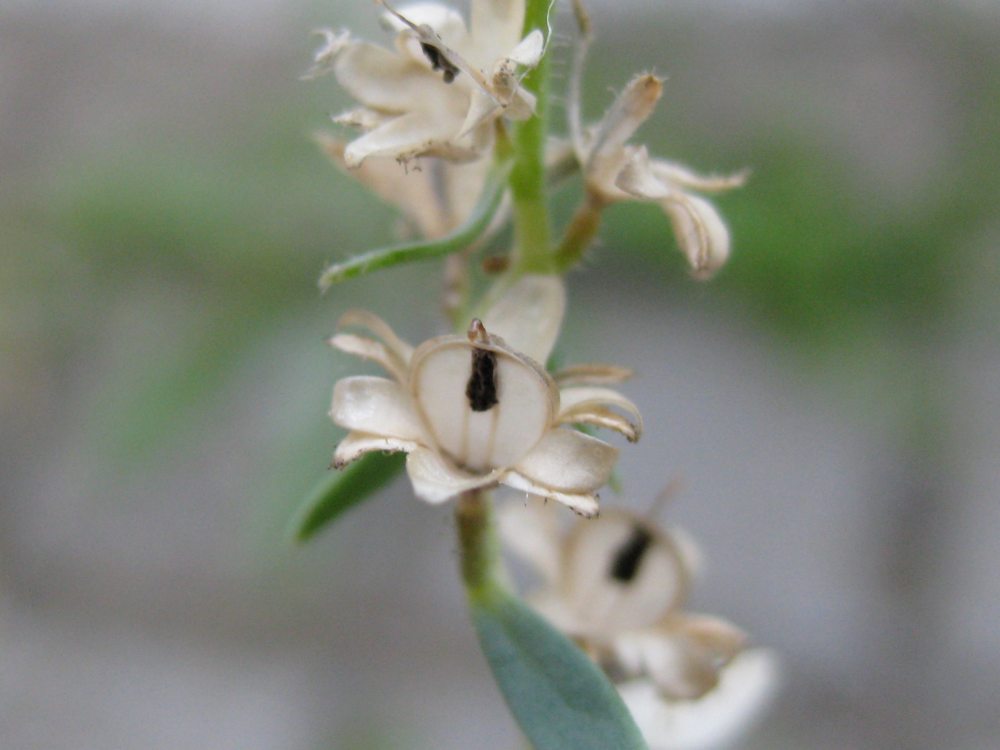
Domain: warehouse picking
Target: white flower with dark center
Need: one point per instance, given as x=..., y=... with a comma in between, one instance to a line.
x=618, y=586
x=615, y=170
x=477, y=410
x=441, y=89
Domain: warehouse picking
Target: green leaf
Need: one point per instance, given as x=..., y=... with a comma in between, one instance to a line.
x=474, y=226
x=342, y=490
x=558, y=696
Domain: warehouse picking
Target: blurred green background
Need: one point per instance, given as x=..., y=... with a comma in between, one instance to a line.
x=833, y=397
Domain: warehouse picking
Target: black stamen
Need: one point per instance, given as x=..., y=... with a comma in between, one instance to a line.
x=482, y=387
x=440, y=62
x=628, y=558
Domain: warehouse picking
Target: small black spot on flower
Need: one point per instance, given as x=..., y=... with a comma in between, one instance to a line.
x=628, y=558
x=440, y=62
x=482, y=387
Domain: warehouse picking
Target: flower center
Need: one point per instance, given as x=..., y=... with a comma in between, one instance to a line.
x=626, y=561
x=482, y=387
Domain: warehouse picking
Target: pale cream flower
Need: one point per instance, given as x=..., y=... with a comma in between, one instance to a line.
x=618, y=586
x=479, y=410
x=615, y=170
x=441, y=89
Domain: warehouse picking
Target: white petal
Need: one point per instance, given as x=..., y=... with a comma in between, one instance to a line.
x=553, y=608
x=585, y=405
x=377, y=406
x=483, y=107
x=621, y=574
x=383, y=80
x=717, y=719
x=323, y=58
x=677, y=174
x=584, y=504
x=625, y=115
x=373, y=350
x=480, y=440
x=637, y=178
x=435, y=480
x=495, y=27
x=530, y=530
x=407, y=136
x=529, y=314
x=529, y=50
x=411, y=190
x=569, y=461
x=446, y=22
x=358, y=318
x=591, y=374
x=701, y=233
x=356, y=444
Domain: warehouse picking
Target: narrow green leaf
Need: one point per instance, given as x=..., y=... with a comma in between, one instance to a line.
x=559, y=697
x=342, y=490
x=474, y=226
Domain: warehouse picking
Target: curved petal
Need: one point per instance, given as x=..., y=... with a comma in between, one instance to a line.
x=370, y=349
x=356, y=444
x=637, y=179
x=636, y=102
x=568, y=461
x=378, y=406
x=701, y=233
x=357, y=318
x=529, y=50
x=741, y=698
x=588, y=406
x=435, y=480
x=414, y=134
x=677, y=174
x=591, y=374
x=530, y=530
x=580, y=503
x=529, y=314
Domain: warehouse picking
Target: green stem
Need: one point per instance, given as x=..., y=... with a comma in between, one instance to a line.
x=477, y=546
x=527, y=180
x=580, y=233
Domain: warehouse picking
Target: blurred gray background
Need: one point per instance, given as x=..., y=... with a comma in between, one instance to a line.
x=832, y=400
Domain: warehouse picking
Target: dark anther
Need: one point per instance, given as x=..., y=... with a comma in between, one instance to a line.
x=482, y=388
x=628, y=558
x=440, y=62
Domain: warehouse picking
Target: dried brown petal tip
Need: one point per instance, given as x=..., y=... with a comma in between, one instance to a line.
x=477, y=332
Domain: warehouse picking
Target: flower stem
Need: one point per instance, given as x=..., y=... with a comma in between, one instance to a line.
x=533, y=253
x=477, y=546
x=580, y=233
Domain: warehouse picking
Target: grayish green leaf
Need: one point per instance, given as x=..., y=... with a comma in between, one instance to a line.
x=342, y=490
x=558, y=696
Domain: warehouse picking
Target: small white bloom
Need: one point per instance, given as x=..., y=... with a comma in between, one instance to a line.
x=439, y=92
x=618, y=171
x=618, y=586
x=479, y=410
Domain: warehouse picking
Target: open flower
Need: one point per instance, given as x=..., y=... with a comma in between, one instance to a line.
x=479, y=410
x=618, y=586
x=615, y=170
x=441, y=89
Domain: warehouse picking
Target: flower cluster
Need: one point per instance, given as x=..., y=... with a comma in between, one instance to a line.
x=479, y=408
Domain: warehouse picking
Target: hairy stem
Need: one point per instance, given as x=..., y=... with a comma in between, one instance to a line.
x=527, y=180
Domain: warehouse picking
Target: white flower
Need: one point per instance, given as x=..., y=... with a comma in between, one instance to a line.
x=439, y=92
x=617, y=171
x=618, y=586
x=479, y=410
